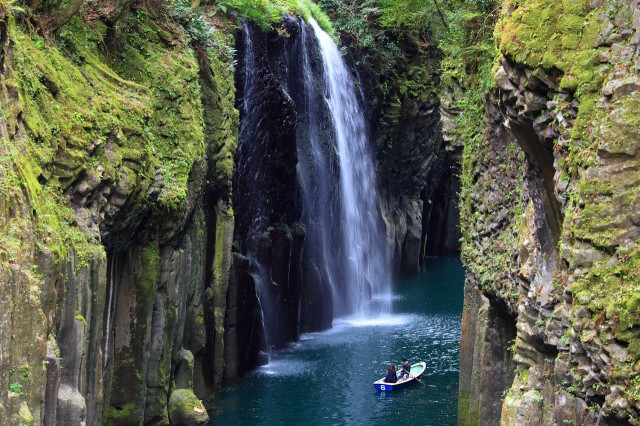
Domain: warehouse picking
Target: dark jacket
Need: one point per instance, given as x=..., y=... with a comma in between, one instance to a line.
x=391, y=377
x=406, y=368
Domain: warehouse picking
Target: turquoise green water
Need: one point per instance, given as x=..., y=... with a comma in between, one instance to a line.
x=327, y=378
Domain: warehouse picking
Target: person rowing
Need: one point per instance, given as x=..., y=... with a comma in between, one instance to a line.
x=405, y=372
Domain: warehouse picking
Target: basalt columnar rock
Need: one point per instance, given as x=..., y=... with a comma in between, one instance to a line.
x=118, y=134
x=268, y=272
x=417, y=175
x=551, y=222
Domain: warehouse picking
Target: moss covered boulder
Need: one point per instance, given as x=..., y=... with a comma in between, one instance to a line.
x=186, y=409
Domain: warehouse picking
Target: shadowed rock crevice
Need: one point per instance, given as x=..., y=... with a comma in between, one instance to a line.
x=541, y=185
x=487, y=367
x=441, y=214
x=418, y=184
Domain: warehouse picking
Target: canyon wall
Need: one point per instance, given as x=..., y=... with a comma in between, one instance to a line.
x=118, y=135
x=416, y=170
x=549, y=213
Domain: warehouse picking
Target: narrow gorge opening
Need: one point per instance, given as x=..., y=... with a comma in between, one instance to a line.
x=330, y=231
x=441, y=215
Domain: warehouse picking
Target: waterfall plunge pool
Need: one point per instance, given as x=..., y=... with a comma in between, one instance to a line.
x=327, y=378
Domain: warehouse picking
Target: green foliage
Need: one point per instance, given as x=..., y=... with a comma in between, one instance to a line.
x=267, y=13
x=373, y=49
x=11, y=7
x=633, y=392
x=462, y=30
x=16, y=387
x=200, y=28
x=612, y=290
x=434, y=16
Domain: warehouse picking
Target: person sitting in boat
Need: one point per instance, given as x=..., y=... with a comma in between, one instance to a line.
x=406, y=369
x=391, y=374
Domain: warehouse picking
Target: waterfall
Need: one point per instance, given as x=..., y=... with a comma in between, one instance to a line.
x=364, y=272
x=249, y=68
x=107, y=329
x=303, y=154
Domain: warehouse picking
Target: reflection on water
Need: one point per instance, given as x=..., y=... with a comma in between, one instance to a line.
x=327, y=378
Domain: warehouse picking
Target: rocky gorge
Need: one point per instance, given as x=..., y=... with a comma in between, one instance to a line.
x=152, y=207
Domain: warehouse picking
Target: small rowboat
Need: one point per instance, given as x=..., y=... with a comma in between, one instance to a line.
x=416, y=371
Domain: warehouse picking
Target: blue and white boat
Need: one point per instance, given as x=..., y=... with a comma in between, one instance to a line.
x=417, y=370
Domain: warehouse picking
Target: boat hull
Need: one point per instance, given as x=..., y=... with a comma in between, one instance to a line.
x=417, y=370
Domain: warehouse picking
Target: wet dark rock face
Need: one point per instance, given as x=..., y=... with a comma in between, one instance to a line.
x=266, y=196
x=417, y=180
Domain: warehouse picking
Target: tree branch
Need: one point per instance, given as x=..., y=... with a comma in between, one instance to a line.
x=444, y=21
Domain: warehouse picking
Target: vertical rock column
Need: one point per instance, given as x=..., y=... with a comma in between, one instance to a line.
x=266, y=205
x=486, y=367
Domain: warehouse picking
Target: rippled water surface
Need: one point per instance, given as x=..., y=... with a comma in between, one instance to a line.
x=327, y=378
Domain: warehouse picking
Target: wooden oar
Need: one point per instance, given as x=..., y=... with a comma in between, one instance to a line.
x=411, y=375
x=419, y=381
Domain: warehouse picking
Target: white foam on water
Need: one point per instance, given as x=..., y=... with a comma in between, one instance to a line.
x=307, y=337
x=284, y=367
x=339, y=330
x=384, y=320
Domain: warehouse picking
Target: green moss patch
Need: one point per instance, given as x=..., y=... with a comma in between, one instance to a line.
x=118, y=117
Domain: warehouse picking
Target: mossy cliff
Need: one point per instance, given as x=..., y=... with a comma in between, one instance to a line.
x=550, y=220
x=118, y=133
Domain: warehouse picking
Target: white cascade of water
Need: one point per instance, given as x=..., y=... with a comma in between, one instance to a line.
x=366, y=270
x=316, y=175
x=249, y=67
